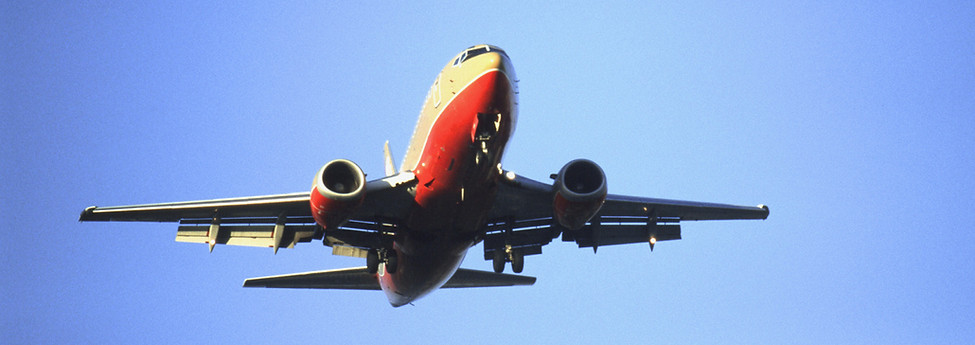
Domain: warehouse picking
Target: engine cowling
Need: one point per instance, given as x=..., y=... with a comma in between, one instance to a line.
x=338, y=190
x=580, y=190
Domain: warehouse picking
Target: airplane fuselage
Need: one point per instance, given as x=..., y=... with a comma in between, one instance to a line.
x=415, y=226
x=455, y=153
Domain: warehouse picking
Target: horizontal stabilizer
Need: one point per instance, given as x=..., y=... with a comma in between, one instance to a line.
x=359, y=278
x=465, y=278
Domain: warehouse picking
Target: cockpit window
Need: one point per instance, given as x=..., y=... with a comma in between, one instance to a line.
x=472, y=52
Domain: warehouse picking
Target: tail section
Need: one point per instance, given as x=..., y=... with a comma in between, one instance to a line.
x=359, y=278
x=390, y=167
x=465, y=278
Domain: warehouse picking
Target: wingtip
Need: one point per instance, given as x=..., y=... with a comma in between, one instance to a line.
x=764, y=207
x=87, y=213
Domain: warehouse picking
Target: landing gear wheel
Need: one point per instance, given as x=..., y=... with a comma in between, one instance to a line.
x=372, y=261
x=392, y=262
x=499, y=259
x=517, y=261
x=480, y=157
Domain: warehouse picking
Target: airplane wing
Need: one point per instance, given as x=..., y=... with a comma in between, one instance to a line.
x=273, y=221
x=523, y=219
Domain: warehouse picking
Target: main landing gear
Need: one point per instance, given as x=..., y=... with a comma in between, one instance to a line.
x=516, y=257
x=388, y=256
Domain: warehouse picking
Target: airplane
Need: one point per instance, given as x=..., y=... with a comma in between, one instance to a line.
x=415, y=225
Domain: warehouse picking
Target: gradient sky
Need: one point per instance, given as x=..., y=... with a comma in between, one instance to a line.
x=854, y=122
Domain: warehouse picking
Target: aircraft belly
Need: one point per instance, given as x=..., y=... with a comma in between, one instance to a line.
x=422, y=271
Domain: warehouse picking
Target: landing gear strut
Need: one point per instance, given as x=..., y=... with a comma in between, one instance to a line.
x=374, y=257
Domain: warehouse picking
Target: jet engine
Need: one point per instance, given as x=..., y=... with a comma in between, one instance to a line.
x=339, y=188
x=580, y=190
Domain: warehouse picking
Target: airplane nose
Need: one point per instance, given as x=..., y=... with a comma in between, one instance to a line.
x=495, y=60
x=499, y=61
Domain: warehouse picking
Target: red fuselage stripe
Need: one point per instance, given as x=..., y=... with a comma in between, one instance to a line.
x=455, y=189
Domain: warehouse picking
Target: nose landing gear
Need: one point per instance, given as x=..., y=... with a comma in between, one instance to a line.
x=484, y=132
x=386, y=256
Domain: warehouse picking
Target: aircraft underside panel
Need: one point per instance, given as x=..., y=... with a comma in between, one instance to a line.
x=251, y=236
x=529, y=236
x=351, y=239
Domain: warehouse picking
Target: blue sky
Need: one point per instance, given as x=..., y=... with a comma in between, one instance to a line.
x=854, y=122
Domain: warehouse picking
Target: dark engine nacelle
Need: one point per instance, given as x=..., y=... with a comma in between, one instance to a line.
x=580, y=190
x=338, y=190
